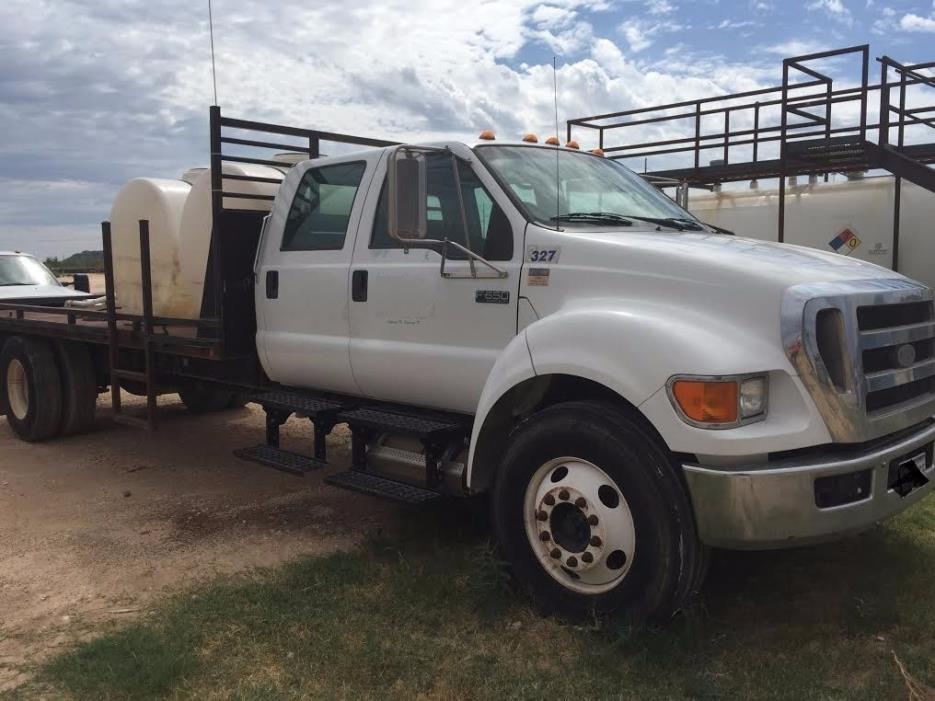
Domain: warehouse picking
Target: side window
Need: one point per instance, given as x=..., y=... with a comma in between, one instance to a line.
x=489, y=233
x=320, y=212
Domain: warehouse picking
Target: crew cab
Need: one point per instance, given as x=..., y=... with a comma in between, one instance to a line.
x=537, y=323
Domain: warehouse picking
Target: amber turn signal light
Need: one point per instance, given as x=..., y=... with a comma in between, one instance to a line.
x=707, y=401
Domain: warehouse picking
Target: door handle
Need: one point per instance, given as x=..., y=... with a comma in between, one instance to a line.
x=359, y=286
x=272, y=284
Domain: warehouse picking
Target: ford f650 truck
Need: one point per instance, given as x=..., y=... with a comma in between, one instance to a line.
x=533, y=322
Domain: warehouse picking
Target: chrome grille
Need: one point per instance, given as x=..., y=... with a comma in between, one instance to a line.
x=865, y=350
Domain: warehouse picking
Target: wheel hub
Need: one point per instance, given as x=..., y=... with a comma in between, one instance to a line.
x=579, y=525
x=17, y=389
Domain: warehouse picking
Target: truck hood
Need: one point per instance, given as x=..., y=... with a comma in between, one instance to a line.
x=727, y=282
x=721, y=259
x=35, y=293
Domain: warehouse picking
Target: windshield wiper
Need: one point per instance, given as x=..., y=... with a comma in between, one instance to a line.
x=607, y=217
x=671, y=222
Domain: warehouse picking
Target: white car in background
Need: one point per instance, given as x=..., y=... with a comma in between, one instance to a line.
x=24, y=278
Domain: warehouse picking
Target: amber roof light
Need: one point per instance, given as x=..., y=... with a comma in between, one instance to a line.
x=530, y=138
x=487, y=135
x=598, y=152
x=552, y=141
x=572, y=144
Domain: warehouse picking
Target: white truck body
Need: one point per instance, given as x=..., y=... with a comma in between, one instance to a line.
x=626, y=308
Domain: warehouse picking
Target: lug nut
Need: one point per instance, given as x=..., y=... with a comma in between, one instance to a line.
x=572, y=561
x=595, y=541
x=592, y=520
x=581, y=502
x=542, y=516
x=563, y=495
x=549, y=500
x=545, y=535
x=587, y=557
x=556, y=553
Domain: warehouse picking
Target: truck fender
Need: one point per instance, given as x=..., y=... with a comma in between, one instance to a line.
x=627, y=353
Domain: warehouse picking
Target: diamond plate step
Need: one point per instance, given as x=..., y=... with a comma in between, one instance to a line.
x=280, y=459
x=294, y=401
x=380, y=487
x=421, y=426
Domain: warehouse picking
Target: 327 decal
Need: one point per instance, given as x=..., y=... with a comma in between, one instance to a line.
x=534, y=254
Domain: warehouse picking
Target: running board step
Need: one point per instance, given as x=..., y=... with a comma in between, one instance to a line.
x=280, y=459
x=366, y=483
x=407, y=424
x=295, y=402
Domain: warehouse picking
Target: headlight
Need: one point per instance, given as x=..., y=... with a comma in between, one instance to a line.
x=719, y=402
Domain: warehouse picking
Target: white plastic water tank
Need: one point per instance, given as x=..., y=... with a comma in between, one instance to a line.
x=195, y=231
x=161, y=202
x=816, y=215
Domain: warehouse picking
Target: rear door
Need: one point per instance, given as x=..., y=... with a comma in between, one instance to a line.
x=302, y=281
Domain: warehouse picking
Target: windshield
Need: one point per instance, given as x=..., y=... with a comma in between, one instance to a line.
x=591, y=190
x=24, y=270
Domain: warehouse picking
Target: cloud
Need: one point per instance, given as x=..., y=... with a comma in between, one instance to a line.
x=915, y=23
x=640, y=33
x=95, y=93
x=835, y=9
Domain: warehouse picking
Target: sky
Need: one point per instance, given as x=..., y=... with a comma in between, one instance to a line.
x=95, y=93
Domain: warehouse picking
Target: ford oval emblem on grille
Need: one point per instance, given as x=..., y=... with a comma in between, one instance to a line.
x=906, y=355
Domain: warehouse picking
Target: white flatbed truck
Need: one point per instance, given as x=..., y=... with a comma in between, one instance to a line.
x=537, y=323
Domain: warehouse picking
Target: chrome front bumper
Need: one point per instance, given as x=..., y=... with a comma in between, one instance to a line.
x=775, y=505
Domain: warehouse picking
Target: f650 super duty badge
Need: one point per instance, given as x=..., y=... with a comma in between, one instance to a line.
x=537, y=254
x=492, y=296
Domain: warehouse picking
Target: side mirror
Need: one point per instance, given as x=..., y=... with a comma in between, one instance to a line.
x=406, y=185
x=82, y=282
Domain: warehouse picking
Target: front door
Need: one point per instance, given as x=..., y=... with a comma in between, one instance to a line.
x=420, y=338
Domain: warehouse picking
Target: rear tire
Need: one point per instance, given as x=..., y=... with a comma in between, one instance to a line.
x=205, y=400
x=79, y=398
x=591, y=513
x=32, y=388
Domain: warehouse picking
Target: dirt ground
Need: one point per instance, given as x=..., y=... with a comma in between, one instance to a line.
x=94, y=527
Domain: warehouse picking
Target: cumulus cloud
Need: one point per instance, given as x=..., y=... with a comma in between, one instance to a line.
x=93, y=93
x=835, y=9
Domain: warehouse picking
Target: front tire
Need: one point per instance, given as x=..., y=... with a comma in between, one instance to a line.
x=593, y=517
x=32, y=388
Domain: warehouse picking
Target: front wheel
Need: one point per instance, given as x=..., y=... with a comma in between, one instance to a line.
x=593, y=517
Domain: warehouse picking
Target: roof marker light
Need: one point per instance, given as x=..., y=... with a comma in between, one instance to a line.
x=487, y=135
x=572, y=144
x=530, y=138
x=598, y=152
x=552, y=141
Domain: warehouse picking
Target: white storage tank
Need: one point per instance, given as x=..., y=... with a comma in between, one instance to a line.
x=196, y=218
x=161, y=202
x=853, y=218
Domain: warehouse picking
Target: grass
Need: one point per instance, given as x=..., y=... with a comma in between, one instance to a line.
x=429, y=614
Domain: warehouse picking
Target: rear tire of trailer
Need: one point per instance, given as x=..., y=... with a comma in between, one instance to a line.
x=79, y=397
x=32, y=388
x=205, y=400
x=592, y=515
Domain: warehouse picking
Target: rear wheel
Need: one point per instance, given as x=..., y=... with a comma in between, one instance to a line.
x=591, y=514
x=79, y=399
x=32, y=387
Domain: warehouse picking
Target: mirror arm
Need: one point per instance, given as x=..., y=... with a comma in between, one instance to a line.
x=500, y=273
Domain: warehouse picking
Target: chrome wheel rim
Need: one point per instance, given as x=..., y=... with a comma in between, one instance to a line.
x=17, y=389
x=579, y=525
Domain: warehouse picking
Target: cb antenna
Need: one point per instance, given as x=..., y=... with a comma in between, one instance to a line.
x=558, y=182
x=214, y=74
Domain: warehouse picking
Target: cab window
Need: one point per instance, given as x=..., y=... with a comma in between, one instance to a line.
x=488, y=230
x=321, y=209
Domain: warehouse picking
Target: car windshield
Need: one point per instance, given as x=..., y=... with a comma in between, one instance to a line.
x=591, y=190
x=24, y=270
